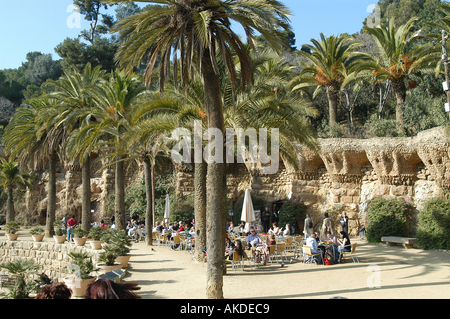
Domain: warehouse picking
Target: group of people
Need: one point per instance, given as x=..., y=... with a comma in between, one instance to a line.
x=254, y=243
x=185, y=228
x=100, y=289
x=338, y=245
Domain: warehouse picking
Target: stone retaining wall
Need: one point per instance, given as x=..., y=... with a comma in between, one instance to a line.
x=52, y=257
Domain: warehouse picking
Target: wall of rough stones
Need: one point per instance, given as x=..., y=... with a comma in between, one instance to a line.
x=52, y=257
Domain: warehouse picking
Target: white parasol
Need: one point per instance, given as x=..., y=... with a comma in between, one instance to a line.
x=167, y=209
x=248, y=213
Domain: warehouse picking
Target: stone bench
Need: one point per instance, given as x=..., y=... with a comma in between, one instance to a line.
x=405, y=241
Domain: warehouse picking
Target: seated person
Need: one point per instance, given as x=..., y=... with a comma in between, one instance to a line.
x=332, y=250
x=272, y=240
x=312, y=242
x=253, y=239
x=344, y=243
x=287, y=231
x=275, y=229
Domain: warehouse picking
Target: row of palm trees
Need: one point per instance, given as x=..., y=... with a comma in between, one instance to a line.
x=215, y=79
x=336, y=65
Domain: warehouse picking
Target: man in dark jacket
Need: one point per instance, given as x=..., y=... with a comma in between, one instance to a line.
x=265, y=218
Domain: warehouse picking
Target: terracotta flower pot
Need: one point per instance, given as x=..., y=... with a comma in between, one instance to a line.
x=80, y=241
x=37, y=237
x=78, y=286
x=12, y=236
x=103, y=269
x=123, y=260
x=96, y=244
x=59, y=239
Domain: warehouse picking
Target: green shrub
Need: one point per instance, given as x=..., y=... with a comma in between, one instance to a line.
x=388, y=217
x=381, y=127
x=291, y=210
x=434, y=225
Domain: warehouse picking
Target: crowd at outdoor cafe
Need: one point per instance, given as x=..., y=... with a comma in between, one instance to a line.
x=262, y=244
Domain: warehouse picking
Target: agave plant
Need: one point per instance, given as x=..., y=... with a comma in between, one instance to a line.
x=81, y=265
x=20, y=269
x=12, y=227
x=58, y=227
x=110, y=255
x=37, y=231
x=120, y=241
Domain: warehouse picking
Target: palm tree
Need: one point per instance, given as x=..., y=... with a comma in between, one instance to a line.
x=397, y=61
x=113, y=101
x=34, y=137
x=71, y=92
x=196, y=30
x=11, y=178
x=326, y=65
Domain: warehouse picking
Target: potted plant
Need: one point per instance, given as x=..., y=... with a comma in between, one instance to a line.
x=79, y=270
x=79, y=236
x=11, y=230
x=96, y=233
x=107, y=259
x=19, y=270
x=122, y=243
x=59, y=236
x=37, y=233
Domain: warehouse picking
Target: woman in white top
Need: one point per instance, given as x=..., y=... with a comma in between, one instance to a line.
x=287, y=230
x=275, y=229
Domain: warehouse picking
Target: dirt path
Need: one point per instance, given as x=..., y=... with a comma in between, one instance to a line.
x=400, y=273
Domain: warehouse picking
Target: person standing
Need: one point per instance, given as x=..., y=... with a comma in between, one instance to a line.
x=344, y=222
x=275, y=216
x=308, y=227
x=266, y=220
x=71, y=223
x=327, y=226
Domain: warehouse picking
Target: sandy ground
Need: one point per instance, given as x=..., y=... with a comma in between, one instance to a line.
x=383, y=273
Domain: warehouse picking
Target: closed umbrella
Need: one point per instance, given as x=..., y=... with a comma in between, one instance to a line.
x=248, y=214
x=167, y=209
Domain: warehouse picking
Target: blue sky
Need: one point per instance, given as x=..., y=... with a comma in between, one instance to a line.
x=39, y=25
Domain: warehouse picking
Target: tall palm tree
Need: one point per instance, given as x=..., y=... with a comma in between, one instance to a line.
x=397, y=61
x=71, y=92
x=196, y=30
x=326, y=65
x=35, y=138
x=113, y=101
x=11, y=178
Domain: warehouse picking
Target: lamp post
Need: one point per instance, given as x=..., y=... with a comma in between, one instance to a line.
x=444, y=58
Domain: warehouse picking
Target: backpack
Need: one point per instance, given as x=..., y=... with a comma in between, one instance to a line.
x=310, y=224
x=326, y=261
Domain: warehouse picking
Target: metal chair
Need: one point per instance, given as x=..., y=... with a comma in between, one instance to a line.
x=280, y=248
x=237, y=259
x=351, y=252
x=308, y=256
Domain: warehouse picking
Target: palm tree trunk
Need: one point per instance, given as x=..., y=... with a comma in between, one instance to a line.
x=399, y=90
x=215, y=225
x=10, y=213
x=200, y=210
x=51, y=198
x=119, y=206
x=148, y=196
x=152, y=179
x=332, y=104
x=86, y=193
